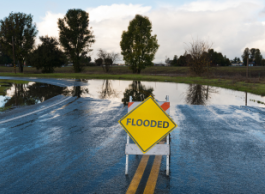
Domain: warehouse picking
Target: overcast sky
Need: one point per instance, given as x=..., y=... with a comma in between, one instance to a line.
x=230, y=26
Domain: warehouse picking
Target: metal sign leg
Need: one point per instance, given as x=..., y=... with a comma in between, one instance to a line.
x=128, y=141
x=167, y=158
x=127, y=158
x=167, y=167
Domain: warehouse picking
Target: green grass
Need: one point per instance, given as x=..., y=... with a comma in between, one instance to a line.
x=3, y=81
x=154, y=70
x=99, y=70
x=255, y=88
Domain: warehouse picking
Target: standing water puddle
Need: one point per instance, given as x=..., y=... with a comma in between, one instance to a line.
x=21, y=94
x=179, y=94
x=15, y=94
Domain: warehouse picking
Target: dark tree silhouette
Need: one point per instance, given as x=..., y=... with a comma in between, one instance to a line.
x=74, y=36
x=47, y=56
x=21, y=28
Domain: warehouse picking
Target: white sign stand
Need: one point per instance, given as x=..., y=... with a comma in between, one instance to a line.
x=158, y=149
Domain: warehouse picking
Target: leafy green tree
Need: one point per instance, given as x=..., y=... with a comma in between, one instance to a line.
x=21, y=28
x=181, y=61
x=4, y=58
x=47, y=56
x=85, y=60
x=218, y=58
x=245, y=56
x=99, y=61
x=175, y=61
x=74, y=36
x=138, y=45
x=168, y=61
x=252, y=55
x=236, y=60
x=227, y=62
x=263, y=62
x=257, y=57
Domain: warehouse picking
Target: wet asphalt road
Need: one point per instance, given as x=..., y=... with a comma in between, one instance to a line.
x=75, y=145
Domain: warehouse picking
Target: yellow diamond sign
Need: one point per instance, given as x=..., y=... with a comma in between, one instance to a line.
x=147, y=124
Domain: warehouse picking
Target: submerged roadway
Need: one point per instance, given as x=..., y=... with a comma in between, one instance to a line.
x=75, y=145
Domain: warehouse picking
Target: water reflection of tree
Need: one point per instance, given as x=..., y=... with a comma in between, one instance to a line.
x=25, y=94
x=138, y=91
x=107, y=91
x=198, y=94
x=77, y=91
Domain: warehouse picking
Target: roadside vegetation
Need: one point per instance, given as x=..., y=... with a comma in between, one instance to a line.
x=218, y=72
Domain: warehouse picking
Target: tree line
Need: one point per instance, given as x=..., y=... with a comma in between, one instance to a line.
x=138, y=46
x=18, y=35
x=218, y=59
x=253, y=56
x=215, y=58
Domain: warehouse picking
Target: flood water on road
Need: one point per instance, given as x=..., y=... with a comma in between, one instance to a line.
x=73, y=143
x=179, y=94
x=119, y=91
x=23, y=94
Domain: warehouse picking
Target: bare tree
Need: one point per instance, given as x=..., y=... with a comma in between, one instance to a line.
x=108, y=59
x=199, y=61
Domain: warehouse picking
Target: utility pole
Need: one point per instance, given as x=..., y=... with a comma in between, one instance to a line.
x=14, y=55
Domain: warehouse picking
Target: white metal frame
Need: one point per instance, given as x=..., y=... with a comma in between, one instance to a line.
x=158, y=149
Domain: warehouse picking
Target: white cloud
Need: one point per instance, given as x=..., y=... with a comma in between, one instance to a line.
x=109, y=22
x=225, y=28
x=116, y=11
x=49, y=26
x=229, y=25
x=209, y=5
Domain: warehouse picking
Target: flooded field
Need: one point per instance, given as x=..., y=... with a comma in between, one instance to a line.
x=21, y=94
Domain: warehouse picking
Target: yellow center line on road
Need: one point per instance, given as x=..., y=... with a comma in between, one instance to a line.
x=138, y=175
x=152, y=179
x=151, y=182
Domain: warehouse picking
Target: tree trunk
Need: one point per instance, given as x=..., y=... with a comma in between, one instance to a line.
x=20, y=64
x=76, y=65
